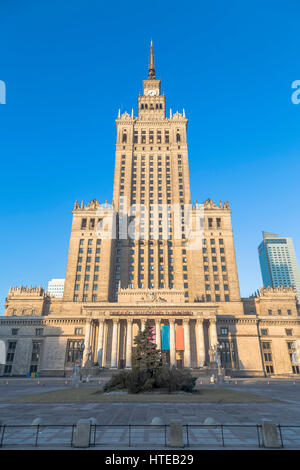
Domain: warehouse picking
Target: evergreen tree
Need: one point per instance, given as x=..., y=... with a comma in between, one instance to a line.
x=146, y=357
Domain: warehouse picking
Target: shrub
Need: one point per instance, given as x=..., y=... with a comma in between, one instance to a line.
x=174, y=379
x=136, y=381
x=117, y=381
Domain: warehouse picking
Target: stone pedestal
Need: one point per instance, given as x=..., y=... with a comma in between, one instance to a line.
x=82, y=433
x=269, y=434
x=176, y=434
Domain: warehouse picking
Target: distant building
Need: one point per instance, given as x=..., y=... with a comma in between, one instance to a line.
x=278, y=262
x=56, y=287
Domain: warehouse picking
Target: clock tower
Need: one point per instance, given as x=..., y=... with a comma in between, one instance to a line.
x=152, y=104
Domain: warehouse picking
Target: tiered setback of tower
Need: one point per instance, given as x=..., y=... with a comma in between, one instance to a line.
x=116, y=281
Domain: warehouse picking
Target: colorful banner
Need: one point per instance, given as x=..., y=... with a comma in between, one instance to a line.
x=179, y=337
x=165, y=338
x=152, y=339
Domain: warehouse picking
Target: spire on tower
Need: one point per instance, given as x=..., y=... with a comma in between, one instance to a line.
x=151, y=70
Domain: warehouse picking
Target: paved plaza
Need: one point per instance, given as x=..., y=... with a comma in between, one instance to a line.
x=285, y=412
x=113, y=418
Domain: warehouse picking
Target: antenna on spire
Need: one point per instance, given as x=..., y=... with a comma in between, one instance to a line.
x=151, y=69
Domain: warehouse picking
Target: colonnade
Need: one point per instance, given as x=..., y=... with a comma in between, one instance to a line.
x=101, y=344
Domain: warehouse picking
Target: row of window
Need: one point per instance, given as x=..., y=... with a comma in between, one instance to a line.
x=88, y=251
x=85, y=298
x=265, y=332
x=88, y=268
x=88, y=259
x=38, y=331
x=25, y=311
x=34, y=360
x=214, y=259
x=87, y=277
x=279, y=312
x=268, y=358
x=149, y=137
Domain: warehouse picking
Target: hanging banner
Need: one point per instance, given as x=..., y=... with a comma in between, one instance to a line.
x=165, y=338
x=152, y=340
x=179, y=338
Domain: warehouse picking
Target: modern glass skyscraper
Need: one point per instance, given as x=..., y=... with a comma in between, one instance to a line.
x=278, y=262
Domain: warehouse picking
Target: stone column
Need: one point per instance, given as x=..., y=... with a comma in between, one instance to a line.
x=200, y=342
x=213, y=336
x=129, y=343
x=100, y=342
x=114, y=344
x=143, y=321
x=104, y=344
x=172, y=342
x=87, y=339
x=187, y=346
x=158, y=333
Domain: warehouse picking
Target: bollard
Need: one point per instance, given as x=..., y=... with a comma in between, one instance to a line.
x=38, y=382
x=6, y=383
x=36, y=422
x=82, y=433
x=176, y=434
x=157, y=421
x=235, y=382
x=269, y=434
x=268, y=382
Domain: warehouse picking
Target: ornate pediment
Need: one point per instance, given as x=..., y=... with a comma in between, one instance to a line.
x=94, y=204
x=271, y=291
x=125, y=116
x=210, y=204
x=151, y=295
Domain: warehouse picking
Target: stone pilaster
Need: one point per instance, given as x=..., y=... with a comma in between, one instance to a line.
x=200, y=342
x=87, y=341
x=187, y=345
x=100, y=342
x=114, y=344
x=172, y=342
x=158, y=333
x=129, y=343
x=213, y=336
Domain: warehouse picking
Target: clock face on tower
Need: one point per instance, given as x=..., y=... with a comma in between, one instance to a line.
x=151, y=92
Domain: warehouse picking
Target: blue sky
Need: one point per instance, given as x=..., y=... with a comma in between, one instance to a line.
x=69, y=65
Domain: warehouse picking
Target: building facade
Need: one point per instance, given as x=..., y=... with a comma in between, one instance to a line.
x=151, y=255
x=56, y=288
x=278, y=262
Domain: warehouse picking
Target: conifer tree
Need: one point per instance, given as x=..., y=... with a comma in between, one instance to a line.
x=146, y=356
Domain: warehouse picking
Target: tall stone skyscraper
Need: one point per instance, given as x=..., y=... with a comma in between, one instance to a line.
x=151, y=255
x=152, y=199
